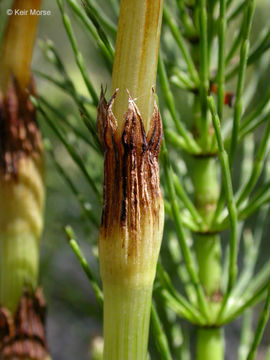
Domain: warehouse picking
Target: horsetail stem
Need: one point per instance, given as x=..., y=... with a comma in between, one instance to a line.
x=18, y=44
x=22, y=307
x=133, y=213
x=136, y=56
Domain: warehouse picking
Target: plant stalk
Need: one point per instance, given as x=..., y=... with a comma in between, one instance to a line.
x=210, y=344
x=136, y=56
x=126, y=315
x=130, y=132
x=18, y=44
x=22, y=193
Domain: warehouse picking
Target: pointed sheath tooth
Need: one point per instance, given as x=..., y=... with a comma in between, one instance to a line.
x=19, y=133
x=132, y=214
x=155, y=132
x=22, y=334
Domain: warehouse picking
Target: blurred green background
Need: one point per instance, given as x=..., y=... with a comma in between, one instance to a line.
x=73, y=315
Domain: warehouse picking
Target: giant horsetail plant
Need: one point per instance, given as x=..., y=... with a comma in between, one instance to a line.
x=22, y=190
x=212, y=121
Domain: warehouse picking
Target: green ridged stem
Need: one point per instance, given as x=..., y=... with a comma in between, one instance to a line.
x=210, y=344
x=207, y=246
x=208, y=250
x=19, y=259
x=126, y=321
x=204, y=173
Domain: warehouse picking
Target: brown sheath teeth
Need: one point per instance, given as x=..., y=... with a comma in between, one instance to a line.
x=131, y=172
x=22, y=336
x=19, y=133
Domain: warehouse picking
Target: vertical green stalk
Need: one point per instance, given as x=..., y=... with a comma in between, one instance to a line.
x=22, y=193
x=221, y=57
x=18, y=44
x=210, y=343
x=20, y=180
x=136, y=55
x=126, y=315
x=208, y=252
x=133, y=213
x=204, y=71
x=241, y=78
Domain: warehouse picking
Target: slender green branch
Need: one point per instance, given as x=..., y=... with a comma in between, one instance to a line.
x=86, y=206
x=262, y=118
x=60, y=84
x=101, y=16
x=80, y=256
x=168, y=96
x=176, y=258
x=81, y=102
x=257, y=167
x=176, y=140
x=182, y=80
x=261, y=198
x=177, y=307
x=160, y=336
x=250, y=302
x=258, y=280
x=212, y=26
x=166, y=281
x=256, y=53
x=54, y=58
x=229, y=194
x=204, y=69
x=246, y=335
x=241, y=78
x=265, y=101
x=262, y=45
x=183, y=196
x=190, y=30
x=99, y=28
x=236, y=43
x=81, y=135
x=252, y=295
x=264, y=316
x=96, y=31
x=250, y=259
x=187, y=220
x=180, y=232
x=180, y=42
x=237, y=10
x=68, y=147
x=221, y=56
x=77, y=54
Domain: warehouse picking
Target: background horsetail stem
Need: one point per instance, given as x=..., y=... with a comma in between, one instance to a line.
x=17, y=48
x=204, y=172
x=136, y=55
x=19, y=234
x=133, y=213
x=210, y=342
x=22, y=193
